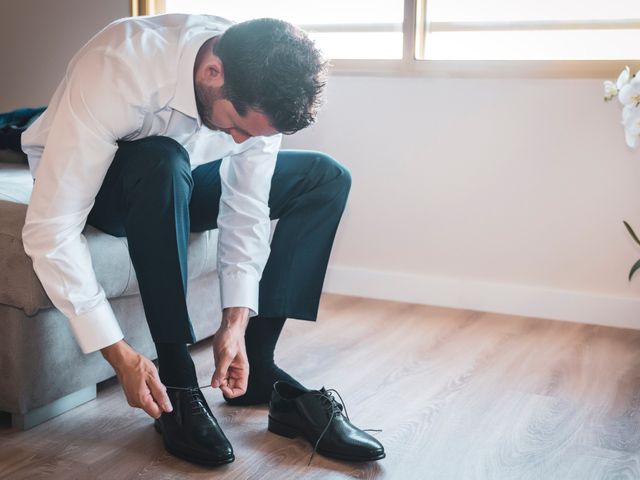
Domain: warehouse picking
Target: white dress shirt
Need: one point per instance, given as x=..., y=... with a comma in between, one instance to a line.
x=132, y=80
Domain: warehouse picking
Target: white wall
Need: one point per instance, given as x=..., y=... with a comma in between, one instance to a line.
x=502, y=195
x=497, y=195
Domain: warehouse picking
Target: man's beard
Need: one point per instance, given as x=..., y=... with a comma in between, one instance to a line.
x=205, y=96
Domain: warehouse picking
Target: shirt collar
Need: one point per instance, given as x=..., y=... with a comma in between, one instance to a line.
x=184, y=99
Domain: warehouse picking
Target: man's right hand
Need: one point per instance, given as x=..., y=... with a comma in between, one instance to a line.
x=139, y=379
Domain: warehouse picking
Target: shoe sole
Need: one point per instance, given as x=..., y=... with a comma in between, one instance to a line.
x=182, y=456
x=289, y=431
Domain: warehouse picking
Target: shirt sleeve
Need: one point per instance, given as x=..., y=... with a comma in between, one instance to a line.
x=98, y=105
x=244, y=225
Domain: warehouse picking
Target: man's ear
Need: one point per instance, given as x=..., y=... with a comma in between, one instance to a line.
x=213, y=72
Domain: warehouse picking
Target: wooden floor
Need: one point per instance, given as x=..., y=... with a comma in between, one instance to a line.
x=458, y=394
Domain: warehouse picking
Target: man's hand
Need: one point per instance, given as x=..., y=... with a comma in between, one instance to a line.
x=139, y=379
x=230, y=354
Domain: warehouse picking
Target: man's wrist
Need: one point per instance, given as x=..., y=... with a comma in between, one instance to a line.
x=116, y=353
x=235, y=317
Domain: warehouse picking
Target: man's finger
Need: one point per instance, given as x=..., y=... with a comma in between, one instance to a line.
x=221, y=372
x=233, y=392
x=237, y=384
x=227, y=391
x=149, y=405
x=243, y=381
x=159, y=393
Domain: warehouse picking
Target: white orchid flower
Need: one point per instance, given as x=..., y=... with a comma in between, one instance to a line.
x=631, y=122
x=632, y=140
x=610, y=90
x=630, y=93
x=623, y=78
x=627, y=89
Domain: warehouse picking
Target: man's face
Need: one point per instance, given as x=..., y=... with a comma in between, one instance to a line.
x=218, y=113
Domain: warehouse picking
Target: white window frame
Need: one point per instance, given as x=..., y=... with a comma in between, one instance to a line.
x=409, y=65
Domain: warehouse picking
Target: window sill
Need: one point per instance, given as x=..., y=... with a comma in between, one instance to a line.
x=597, y=69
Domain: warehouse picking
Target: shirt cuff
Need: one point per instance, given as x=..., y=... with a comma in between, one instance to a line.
x=97, y=328
x=240, y=291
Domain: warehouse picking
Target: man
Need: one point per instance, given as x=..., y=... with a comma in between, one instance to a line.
x=171, y=124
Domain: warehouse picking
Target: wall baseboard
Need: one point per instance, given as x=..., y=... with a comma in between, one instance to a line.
x=512, y=299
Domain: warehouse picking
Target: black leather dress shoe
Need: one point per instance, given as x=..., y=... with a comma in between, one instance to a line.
x=191, y=432
x=317, y=416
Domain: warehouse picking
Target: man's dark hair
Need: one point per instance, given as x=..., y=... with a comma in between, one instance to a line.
x=272, y=67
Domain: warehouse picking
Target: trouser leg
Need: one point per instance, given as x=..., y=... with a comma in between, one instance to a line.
x=145, y=197
x=309, y=191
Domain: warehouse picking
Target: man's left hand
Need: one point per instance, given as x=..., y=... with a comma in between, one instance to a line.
x=230, y=354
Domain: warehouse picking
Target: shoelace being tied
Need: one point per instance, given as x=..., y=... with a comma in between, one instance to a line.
x=196, y=401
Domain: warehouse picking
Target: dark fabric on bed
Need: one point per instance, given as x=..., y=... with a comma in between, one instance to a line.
x=12, y=124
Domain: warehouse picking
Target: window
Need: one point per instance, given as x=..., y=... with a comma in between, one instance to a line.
x=357, y=29
x=489, y=38
x=530, y=30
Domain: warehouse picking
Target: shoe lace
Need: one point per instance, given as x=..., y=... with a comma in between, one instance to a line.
x=197, y=400
x=336, y=409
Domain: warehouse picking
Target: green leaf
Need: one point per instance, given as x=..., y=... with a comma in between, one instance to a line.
x=633, y=269
x=633, y=234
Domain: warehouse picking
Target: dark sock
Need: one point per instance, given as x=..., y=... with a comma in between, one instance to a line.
x=175, y=365
x=261, y=337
